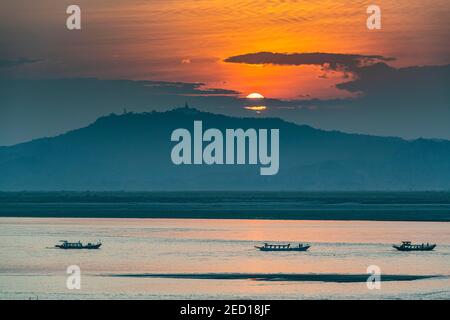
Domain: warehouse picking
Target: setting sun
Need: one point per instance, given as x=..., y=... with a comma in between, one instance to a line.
x=255, y=95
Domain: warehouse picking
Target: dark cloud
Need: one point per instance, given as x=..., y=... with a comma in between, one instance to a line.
x=333, y=61
x=382, y=80
x=179, y=88
x=10, y=63
x=409, y=102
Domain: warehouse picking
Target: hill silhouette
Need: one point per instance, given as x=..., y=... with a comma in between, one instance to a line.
x=131, y=152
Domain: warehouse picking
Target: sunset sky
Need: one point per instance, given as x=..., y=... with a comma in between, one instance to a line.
x=205, y=44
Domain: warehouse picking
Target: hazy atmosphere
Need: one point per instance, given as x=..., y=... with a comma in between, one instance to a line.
x=224, y=150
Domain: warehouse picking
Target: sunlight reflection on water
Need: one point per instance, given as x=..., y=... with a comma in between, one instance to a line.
x=217, y=246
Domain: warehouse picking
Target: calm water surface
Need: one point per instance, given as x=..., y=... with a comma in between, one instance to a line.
x=29, y=269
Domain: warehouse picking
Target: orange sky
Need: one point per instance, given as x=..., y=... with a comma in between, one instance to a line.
x=175, y=40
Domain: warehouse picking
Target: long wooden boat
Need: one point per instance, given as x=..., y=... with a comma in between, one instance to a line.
x=282, y=247
x=407, y=246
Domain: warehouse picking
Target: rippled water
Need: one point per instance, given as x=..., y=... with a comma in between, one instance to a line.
x=30, y=269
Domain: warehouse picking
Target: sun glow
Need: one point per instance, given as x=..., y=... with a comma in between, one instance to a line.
x=256, y=108
x=255, y=95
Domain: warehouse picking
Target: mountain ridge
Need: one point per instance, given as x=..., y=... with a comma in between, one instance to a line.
x=131, y=152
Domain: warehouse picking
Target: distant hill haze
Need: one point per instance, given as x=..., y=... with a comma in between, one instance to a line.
x=132, y=152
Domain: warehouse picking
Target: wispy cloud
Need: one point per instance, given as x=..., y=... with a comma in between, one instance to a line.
x=10, y=63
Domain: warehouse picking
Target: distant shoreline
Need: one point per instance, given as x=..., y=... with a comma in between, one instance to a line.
x=365, y=206
x=198, y=216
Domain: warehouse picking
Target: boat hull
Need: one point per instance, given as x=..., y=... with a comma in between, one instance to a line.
x=86, y=247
